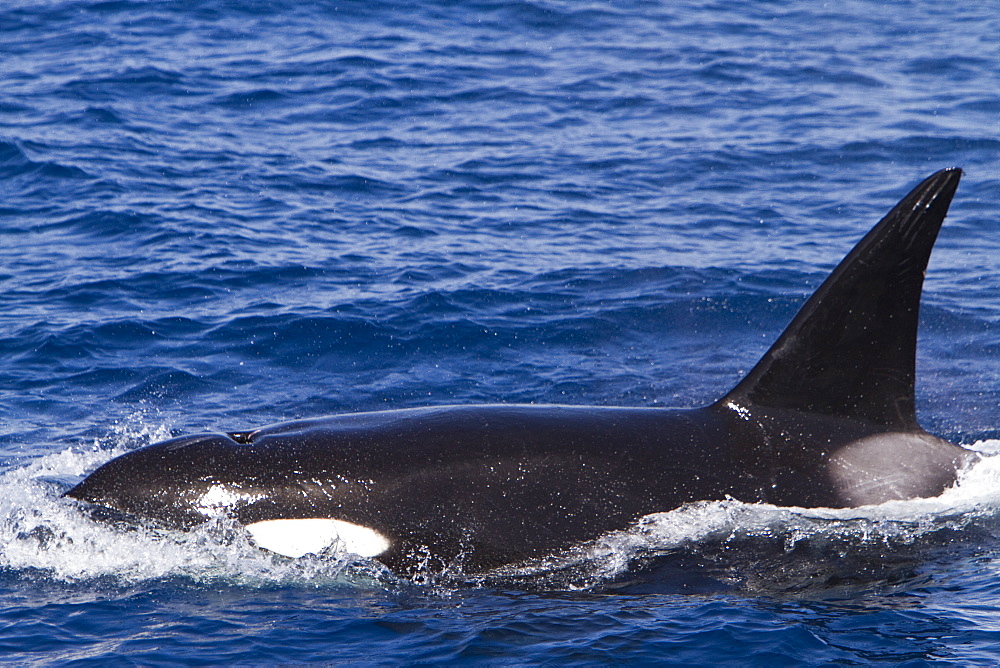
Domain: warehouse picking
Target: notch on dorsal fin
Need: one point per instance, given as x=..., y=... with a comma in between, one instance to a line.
x=850, y=351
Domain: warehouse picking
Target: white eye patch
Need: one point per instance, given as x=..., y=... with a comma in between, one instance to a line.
x=297, y=538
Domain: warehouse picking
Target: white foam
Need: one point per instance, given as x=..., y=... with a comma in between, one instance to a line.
x=219, y=497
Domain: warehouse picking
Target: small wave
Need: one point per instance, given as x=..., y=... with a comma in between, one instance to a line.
x=15, y=163
x=250, y=98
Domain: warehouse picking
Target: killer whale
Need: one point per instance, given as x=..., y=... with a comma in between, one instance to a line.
x=825, y=418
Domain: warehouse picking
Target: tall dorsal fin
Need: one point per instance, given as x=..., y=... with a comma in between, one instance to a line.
x=850, y=351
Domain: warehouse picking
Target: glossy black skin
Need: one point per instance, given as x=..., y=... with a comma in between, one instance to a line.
x=825, y=419
x=495, y=484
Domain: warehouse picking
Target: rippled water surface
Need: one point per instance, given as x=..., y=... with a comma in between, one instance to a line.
x=221, y=214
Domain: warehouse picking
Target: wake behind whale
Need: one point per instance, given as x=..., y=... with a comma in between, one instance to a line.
x=825, y=419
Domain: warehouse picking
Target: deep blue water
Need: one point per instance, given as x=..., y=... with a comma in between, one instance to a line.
x=219, y=214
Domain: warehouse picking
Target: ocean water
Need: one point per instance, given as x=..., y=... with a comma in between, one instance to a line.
x=219, y=214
